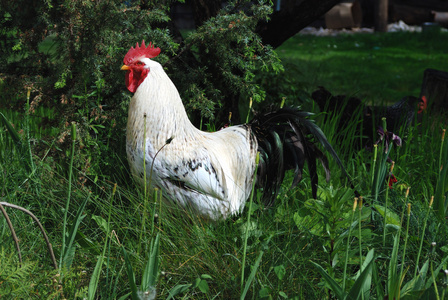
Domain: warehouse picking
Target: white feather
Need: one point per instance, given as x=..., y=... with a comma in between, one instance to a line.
x=211, y=173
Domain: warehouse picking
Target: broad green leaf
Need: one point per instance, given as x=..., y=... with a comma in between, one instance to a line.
x=280, y=271
x=264, y=292
x=203, y=286
x=206, y=276
x=391, y=217
x=102, y=223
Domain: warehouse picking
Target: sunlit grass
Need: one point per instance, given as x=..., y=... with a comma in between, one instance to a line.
x=381, y=68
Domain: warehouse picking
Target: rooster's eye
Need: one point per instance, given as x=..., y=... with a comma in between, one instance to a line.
x=139, y=63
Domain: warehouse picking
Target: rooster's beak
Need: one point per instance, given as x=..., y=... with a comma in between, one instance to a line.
x=125, y=68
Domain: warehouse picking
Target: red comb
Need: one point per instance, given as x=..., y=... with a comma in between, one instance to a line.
x=141, y=51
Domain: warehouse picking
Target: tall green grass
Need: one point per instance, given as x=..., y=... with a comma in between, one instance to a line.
x=126, y=243
x=203, y=260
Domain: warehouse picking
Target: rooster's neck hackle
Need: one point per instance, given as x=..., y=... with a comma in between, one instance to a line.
x=159, y=100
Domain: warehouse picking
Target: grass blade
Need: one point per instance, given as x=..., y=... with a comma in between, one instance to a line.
x=18, y=142
x=151, y=271
x=393, y=279
x=334, y=286
x=246, y=235
x=67, y=203
x=178, y=289
x=14, y=135
x=93, y=284
x=251, y=276
x=131, y=275
x=442, y=184
x=69, y=252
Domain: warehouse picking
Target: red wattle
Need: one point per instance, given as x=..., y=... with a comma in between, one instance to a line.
x=134, y=78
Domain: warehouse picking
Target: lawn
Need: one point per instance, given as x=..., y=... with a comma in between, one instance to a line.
x=380, y=68
x=113, y=240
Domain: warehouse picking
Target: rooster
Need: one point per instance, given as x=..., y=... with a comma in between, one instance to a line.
x=347, y=108
x=212, y=172
x=399, y=115
x=329, y=103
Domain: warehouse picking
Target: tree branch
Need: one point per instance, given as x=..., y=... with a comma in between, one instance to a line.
x=290, y=20
x=50, y=248
x=13, y=232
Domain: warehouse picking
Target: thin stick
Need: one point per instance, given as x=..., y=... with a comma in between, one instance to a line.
x=50, y=248
x=13, y=232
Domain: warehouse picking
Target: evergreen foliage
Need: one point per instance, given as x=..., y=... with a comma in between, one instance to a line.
x=69, y=53
x=78, y=46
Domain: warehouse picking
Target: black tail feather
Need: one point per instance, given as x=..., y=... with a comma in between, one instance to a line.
x=286, y=140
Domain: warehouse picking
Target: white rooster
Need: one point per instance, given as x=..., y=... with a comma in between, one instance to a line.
x=211, y=172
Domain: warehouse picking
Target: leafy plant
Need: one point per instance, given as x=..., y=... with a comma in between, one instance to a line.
x=12, y=275
x=199, y=283
x=334, y=221
x=362, y=282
